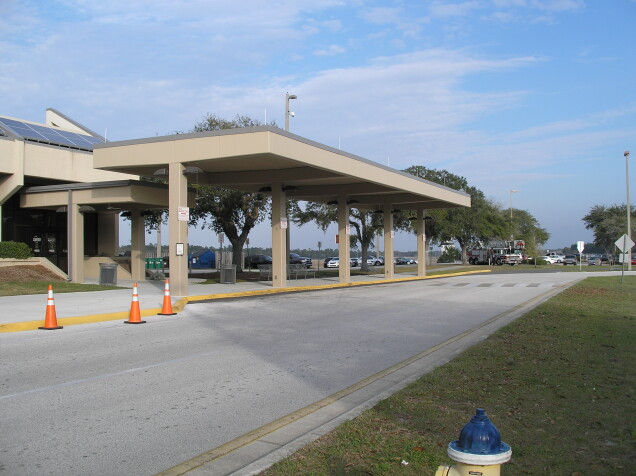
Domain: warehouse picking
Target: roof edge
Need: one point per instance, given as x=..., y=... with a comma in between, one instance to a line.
x=273, y=130
x=75, y=123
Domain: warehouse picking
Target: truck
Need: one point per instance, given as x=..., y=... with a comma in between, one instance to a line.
x=498, y=252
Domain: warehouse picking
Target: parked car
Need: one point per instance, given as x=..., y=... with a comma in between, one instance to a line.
x=252, y=261
x=633, y=259
x=593, y=260
x=569, y=259
x=335, y=262
x=559, y=258
x=306, y=261
x=327, y=261
x=401, y=261
x=295, y=258
x=377, y=261
x=549, y=259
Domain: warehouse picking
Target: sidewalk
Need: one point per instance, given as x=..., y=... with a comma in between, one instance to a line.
x=20, y=313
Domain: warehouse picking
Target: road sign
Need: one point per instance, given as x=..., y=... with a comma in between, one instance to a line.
x=624, y=243
x=580, y=245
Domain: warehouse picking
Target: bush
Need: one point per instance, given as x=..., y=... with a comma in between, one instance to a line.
x=450, y=255
x=14, y=249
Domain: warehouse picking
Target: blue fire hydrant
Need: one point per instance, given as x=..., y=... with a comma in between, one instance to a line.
x=478, y=451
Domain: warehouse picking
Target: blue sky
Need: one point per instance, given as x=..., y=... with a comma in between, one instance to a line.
x=532, y=95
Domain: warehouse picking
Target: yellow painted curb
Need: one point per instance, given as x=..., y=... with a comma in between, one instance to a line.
x=72, y=321
x=261, y=292
x=180, y=305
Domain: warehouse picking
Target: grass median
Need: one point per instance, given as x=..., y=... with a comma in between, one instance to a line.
x=559, y=384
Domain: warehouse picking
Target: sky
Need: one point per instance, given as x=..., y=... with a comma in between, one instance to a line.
x=536, y=96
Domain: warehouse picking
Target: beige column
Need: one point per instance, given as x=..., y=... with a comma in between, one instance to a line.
x=13, y=181
x=344, y=270
x=420, y=232
x=178, y=230
x=279, y=237
x=108, y=239
x=76, y=234
x=137, y=246
x=389, y=266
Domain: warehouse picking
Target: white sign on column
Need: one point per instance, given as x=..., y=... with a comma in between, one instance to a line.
x=183, y=214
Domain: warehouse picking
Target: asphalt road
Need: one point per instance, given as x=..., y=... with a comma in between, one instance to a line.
x=112, y=399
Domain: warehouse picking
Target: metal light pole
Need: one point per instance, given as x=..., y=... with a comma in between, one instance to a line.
x=511, y=226
x=287, y=111
x=287, y=114
x=628, y=256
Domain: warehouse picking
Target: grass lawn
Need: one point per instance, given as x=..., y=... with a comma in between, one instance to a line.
x=12, y=288
x=559, y=384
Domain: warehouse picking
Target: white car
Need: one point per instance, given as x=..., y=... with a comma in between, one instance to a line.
x=335, y=262
x=550, y=259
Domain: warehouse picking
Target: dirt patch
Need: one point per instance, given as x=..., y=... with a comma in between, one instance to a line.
x=27, y=273
x=582, y=291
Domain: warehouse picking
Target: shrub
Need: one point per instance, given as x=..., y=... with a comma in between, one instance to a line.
x=450, y=255
x=14, y=249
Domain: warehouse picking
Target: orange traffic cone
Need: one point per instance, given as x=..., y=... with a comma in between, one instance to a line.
x=166, y=310
x=135, y=313
x=50, y=318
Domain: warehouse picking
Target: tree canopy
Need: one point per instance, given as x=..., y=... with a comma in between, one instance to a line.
x=232, y=212
x=608, y=224
x=365, y=223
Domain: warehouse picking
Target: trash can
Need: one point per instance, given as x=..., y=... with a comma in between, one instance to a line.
x=228, y=274
x=108, y=274
x=147, y=263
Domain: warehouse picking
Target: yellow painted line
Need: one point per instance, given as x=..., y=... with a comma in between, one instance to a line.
x=180, y=305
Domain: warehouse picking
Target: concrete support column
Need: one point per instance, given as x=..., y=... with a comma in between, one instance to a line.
x=420, y=232
x=178, y=230
x=76, y=234
x=344, y=270
x=137, y=246
x=389, y=266
x=279, y=237
x=108, y=237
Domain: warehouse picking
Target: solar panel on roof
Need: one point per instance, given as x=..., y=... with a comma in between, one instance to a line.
x=49, y=135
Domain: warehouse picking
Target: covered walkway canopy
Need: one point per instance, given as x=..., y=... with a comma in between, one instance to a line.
x=270, y=160
x=105, y=199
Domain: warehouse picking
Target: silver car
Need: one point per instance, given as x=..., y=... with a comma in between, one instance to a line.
x=570, y=259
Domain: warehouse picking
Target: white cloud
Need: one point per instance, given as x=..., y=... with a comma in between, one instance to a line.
x=446, y=10
x=383, y=15
x=330, y=51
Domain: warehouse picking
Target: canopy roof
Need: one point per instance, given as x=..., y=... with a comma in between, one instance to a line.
x=101, y=196
x=252, y=159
